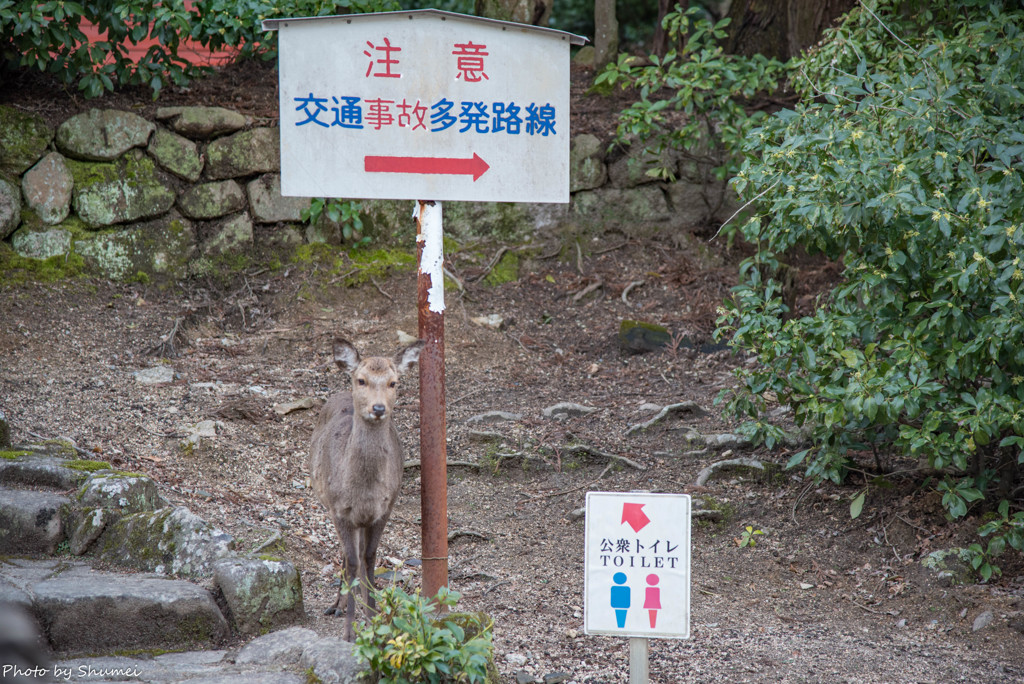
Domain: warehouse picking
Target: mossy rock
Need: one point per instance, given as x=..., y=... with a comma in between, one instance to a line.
x=639, y=336
x=24, y=139
x=18, y=270
x=122, y=492
x=171, y=541
x=261, y=595
x=86, y=465
x=160, y=248
x=505, y=271
x=725, y=510
x=124, y=191
x=25, y=467
x=950, y=567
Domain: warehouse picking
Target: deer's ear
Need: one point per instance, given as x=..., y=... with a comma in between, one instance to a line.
x=408, y=356
x=345, y=355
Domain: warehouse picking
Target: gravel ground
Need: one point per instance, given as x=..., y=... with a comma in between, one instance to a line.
x=820, y=598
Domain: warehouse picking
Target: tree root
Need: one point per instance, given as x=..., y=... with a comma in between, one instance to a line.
x=671, y=408
x=166, y=347
x=706, y=474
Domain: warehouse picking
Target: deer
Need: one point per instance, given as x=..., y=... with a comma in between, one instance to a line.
x=355, y=464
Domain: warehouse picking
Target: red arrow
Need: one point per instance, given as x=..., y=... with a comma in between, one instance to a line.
x=633, y=514
x=475, y=167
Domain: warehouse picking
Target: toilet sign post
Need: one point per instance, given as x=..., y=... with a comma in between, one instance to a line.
x=637, y=569
x=424, y=105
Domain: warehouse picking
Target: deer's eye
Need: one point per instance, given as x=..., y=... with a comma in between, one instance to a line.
x=361, y=382
x=392, y=384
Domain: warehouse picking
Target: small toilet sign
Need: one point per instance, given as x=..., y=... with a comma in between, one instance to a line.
x=637, y=565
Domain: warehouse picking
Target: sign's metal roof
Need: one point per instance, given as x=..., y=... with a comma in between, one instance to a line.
x=275, y=24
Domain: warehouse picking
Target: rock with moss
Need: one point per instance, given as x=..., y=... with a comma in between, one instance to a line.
x=15, y=268
x=696, y=203
x=267, y=203
x=24, y=138
x=47, y=188
x=505, y=271
x=31, y=521
x=33, y=242
x=121, y=492
x=62, y=447
x=212, y=200
x=176, y=154
x=637, y=337
x=232, y=235
x=632, y=168
x=283, y=647
x=102, y=134
x=587, y=169
x=170, y=541
x=333, y=661
x=949, y=567
x=161, y=247
x=201, y=123
x=29, y=469
x=83, y=611
x=465, y=220
x=281, y=238
x=10, y=208
x=244, y=154
x=125, y=191
x=627, y=208
x=88, y=529
x=261, y=594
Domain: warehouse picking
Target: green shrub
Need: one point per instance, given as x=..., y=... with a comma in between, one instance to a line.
x=904, y=162
x=345, y=213
x=405, y=644
x=709, y=88
x=48, y=36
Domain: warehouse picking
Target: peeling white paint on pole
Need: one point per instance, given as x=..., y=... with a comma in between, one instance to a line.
x=432, y=259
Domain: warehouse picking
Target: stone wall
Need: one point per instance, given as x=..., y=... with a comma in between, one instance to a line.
x=175, y=196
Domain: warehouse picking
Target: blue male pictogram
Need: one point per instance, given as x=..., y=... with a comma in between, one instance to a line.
x=620, y=598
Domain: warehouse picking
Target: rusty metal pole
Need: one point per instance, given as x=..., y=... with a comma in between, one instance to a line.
x=433, y=441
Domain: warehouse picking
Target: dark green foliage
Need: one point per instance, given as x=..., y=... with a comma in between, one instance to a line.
x=693, y=100
x=405, y=643
x=904, y=162
x=48, y=36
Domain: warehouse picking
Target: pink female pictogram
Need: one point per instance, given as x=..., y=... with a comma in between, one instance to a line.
x=652, y=599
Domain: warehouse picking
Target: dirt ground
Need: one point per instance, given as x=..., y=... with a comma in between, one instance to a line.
x=820, y=598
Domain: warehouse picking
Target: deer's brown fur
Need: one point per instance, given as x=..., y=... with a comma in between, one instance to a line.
x=355, y=462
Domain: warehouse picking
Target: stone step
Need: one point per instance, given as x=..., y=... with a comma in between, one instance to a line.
x=30, y=521
x=291, y=656
x=80, y=610
x=194, y=667
x=23, y=467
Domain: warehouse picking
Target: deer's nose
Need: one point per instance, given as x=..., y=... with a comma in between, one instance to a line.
x=379, y=410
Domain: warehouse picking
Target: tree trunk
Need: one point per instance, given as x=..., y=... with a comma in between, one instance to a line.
x=660, y=45
x=780, y=28
x=606, y=33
